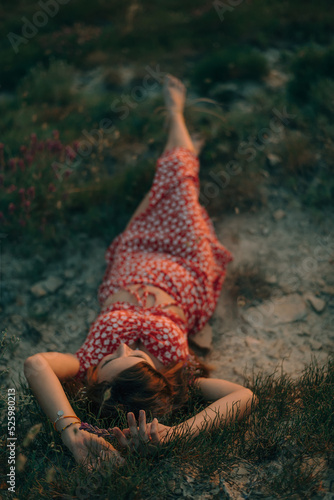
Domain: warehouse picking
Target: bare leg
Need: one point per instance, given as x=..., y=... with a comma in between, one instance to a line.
x=175, y=95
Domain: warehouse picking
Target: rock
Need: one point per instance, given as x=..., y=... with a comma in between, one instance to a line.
x=70, y=292
x=50, y=285
x=317, y=303
x=38, y=290
x=69, y=273
x=286, y=309
x=271, y=279
x=329, y=290
x=265, y=231
x=315, y=344
x=276, y=79
x=252, y=342
x=273, y=159
x=279, y=214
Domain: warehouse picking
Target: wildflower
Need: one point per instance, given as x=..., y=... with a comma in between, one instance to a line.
x=27, y=204
x=70, y=153
x=12, y=164
x=21, y=164
x=51, y=187
x=41, y=146
x=33, y=137
x=22, y=222
x=11, y=188
x=31, y=192
x=55, y=134
x=2, y=217
x=23, y=149
x=11, y=208
x=29, y=158
x=76, y=145
x=67, y=173
x=2, y=145
x=1, y=180
x=22, y=193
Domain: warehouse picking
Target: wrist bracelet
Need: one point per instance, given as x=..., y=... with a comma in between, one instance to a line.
x=68, y=425
x=64, y=416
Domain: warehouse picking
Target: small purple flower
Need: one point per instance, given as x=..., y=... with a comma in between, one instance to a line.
x=21, y=164
x=11, y=188
x=1, y=146
x=12, y=164
x=33, y=137
x=31, y=192
x=51, y=187
x=70, y=153
x=23, y=149
x=11, y=208
x=41, y=146
x=22, y=194
x=29, y=159
x=55, y=134
x=27, y=204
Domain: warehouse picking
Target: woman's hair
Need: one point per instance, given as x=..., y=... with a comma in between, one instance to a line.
x=143, y=387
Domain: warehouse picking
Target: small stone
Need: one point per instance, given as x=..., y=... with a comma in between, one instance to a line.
x=265, y=231
x=317, y=303
x=38, y=290
x=273, y=159
x=279, y=214
x=70, y=292
x=315, y=344
x=69, y=273
x=252, y=342
x=271, y=279
x=52, y=283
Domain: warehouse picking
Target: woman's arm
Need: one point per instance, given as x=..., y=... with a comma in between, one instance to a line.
x=230, y=399
x=50, y=394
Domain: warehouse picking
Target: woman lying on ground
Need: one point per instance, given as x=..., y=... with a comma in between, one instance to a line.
x=136, y=355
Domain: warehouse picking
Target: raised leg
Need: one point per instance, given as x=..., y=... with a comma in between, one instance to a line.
x=175, y=95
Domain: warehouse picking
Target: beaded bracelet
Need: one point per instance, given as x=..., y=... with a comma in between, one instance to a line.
x=68, y=425
x=64, y=416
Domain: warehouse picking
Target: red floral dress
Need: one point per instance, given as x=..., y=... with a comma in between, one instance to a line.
x=171, y=245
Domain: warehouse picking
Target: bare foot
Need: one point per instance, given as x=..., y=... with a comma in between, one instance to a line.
x=174, y=93
x=198, y=142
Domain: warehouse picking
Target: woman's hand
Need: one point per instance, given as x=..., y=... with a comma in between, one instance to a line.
x=144, y=438
x=90, y=449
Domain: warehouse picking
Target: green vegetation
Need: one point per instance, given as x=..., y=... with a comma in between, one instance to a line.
x=289, y=437
x=74, y=95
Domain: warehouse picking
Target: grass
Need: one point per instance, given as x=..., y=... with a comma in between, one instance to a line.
x=286, y=445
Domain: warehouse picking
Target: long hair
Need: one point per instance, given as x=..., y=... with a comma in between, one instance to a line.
x=143, y=387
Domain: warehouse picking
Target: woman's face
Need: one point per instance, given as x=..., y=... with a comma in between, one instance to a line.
x=113, y=364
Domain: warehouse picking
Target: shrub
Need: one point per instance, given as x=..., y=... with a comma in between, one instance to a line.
x=241, y=63
x=54, y=85
x=33, y=184
x=308, y=66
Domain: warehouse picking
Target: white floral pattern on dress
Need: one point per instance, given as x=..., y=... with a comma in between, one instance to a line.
x=171, y=245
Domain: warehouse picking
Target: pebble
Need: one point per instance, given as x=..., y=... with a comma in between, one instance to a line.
x=317, y=303
x=50, y=285
x=38, y=290
x=69, y=273
x=279, y=214
x=273, y=159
